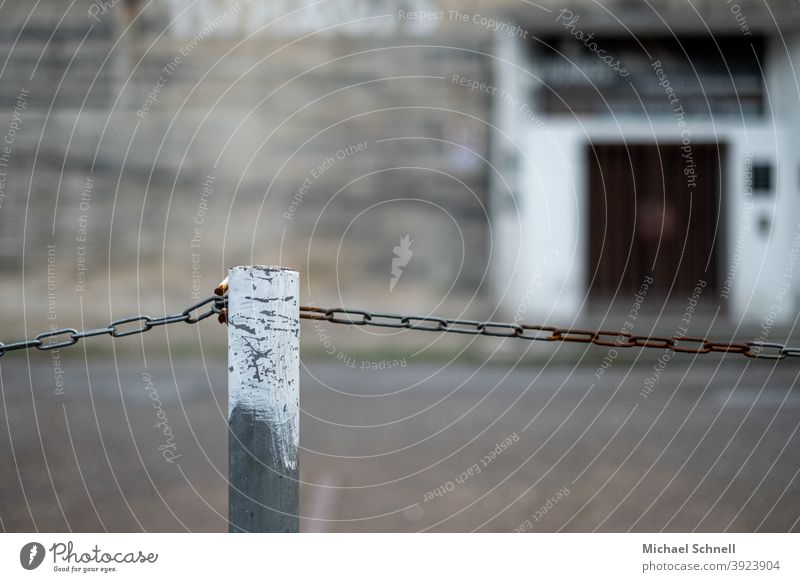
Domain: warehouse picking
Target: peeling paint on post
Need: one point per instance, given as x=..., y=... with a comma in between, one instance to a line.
x=263, y=399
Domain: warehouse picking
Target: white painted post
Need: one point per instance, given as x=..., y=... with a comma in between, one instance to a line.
x=263, y=399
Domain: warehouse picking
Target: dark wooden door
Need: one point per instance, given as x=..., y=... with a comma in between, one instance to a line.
x=646, y=217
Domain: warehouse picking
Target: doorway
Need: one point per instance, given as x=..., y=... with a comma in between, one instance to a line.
x=653, y=209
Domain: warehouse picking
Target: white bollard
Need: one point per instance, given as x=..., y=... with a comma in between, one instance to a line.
x=263, y=399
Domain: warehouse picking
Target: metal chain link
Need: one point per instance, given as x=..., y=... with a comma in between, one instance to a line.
x=68, y=336
x=608, y=338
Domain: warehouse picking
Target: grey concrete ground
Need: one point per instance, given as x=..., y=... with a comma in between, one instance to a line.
x=713, y=446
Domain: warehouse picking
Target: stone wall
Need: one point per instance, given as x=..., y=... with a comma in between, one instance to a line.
x=155, y=144
x=152, y=161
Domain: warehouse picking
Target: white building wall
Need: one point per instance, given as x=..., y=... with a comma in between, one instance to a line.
x=550, y=279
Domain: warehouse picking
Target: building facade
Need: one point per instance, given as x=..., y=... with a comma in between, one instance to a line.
x=636, y=146
x=538, y=160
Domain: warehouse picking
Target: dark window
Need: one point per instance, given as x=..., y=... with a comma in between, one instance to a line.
x=762, y=178
x=649, y=76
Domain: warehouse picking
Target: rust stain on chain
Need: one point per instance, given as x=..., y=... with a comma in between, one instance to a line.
x=607, y=338
x=218, y=304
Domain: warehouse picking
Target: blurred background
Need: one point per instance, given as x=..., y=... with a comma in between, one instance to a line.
x=624, y=164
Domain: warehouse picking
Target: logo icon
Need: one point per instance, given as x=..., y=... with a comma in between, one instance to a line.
x=31, y=555
x=402, y=254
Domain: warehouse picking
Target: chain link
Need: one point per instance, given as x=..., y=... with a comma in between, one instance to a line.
x=607, y=338
x=61, y=338
x=138, y=324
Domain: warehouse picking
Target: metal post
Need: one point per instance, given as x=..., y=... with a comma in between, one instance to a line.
x=263, y=399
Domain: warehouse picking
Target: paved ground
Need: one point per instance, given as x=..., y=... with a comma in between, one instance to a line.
x=712, y=447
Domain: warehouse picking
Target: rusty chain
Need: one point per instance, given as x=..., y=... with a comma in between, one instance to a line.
x=358, y=317
x=70, y=336
x=544, y=333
